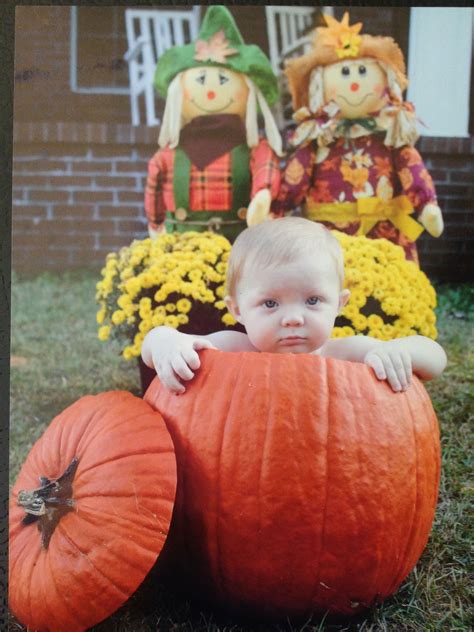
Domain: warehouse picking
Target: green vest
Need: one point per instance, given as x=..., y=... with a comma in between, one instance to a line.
x=225, y=222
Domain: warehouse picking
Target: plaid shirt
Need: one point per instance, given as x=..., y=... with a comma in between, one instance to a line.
x=211, y=188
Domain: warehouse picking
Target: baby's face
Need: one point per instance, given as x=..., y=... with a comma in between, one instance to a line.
x=290, y=308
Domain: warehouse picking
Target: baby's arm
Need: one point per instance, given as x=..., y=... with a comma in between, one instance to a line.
x=173, y=354
x=394, y=360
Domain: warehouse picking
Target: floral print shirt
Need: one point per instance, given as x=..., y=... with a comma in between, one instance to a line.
x=355, y=168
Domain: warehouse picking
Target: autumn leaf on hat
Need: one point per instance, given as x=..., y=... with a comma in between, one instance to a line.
x=216, y=49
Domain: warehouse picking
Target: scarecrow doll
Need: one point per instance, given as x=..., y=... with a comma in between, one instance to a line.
x=355, y=168
x=212, y=161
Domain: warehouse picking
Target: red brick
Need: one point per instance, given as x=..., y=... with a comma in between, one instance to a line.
x=129, y=226
x=29, y=211
x=93, y=196
x=120, y=212
x=20, y=181
x=456, y=175
x=72, y=239
x=131, y=196
x=112, y=242
x=138, y=167
x=91, y=166
x=61, y=181
x=49, y=196
x=116, y=181
x=73, y=211
x=113, y=152
x=38, y=166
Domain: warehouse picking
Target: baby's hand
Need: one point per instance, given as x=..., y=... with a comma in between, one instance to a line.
x=174, y=357
x=391, y=361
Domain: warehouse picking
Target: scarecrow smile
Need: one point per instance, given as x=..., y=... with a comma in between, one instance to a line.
x=355, y=104
x=212, y=111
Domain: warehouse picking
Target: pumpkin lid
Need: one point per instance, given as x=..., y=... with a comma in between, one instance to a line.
x=90, y=512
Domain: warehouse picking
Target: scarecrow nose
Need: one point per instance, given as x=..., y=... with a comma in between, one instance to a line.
x=354, y=87
x=211, y=95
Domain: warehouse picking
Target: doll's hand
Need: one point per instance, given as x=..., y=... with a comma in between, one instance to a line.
x=259, y=208
x=391, y=361
x=432, y=219
x=173, y=355
x=156, y=229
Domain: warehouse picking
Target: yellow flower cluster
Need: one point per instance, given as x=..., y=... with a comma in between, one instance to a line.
x=158, y=282
x=178, y=280
x=390, y=296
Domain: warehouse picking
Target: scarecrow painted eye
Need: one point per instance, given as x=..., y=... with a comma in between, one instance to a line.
x=223, y=79
x=346, y=71
x=201, y=78
x=362, y=70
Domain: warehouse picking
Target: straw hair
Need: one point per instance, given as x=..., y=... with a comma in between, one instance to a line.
x=279, y=242
x=298, y=70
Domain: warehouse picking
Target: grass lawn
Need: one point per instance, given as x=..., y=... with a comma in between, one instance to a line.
x=57, y=358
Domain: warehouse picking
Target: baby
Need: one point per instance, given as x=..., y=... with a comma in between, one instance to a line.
x=285, y=285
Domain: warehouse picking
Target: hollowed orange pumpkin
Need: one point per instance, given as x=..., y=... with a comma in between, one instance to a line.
x=304, y=483
x=90, y=512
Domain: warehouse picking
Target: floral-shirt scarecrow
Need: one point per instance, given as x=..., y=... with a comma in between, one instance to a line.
x=355, y=167
x=212, y=161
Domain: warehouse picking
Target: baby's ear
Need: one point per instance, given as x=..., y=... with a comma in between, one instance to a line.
x=233, y=308
x=343, y=298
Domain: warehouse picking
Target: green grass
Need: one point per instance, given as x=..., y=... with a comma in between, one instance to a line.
x=61, y=359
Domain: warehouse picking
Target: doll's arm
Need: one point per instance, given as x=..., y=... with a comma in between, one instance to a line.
x=174, y=356
x=154, y=203
x=265, y=170
x=393, y=360
x=296, y=180
x=418, y=185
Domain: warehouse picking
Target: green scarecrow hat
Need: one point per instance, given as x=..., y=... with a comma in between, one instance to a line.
x=219, y=43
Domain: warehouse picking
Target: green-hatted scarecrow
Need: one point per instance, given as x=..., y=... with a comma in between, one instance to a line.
x=213, y=170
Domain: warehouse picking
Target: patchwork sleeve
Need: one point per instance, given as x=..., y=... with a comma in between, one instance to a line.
x=415, y=181
x=155, y=208
x=265, y=169
x=296, y=181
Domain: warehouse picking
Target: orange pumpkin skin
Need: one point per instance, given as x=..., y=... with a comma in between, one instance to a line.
x=304, y=483
x=123, y=493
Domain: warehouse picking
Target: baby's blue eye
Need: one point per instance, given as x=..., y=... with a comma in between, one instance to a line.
x=312, y=300
x=270, y=303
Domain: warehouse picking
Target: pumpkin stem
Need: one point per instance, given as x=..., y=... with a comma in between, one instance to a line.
x=47, y=504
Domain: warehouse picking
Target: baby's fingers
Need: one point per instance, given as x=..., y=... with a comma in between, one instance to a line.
x=202, y=343
x=401, y=363
x=181, y=368
x=169, y=380
x=377, y=365
x=191, y=358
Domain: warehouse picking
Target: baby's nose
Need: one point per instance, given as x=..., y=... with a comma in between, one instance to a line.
x=292, y=319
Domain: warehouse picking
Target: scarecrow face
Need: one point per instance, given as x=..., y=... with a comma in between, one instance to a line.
x=213, y=90
x=359, y=86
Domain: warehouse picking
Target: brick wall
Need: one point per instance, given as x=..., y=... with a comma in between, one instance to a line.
x=78, y=194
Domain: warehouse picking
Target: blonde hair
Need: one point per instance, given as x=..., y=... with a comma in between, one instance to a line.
x=280, y=241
